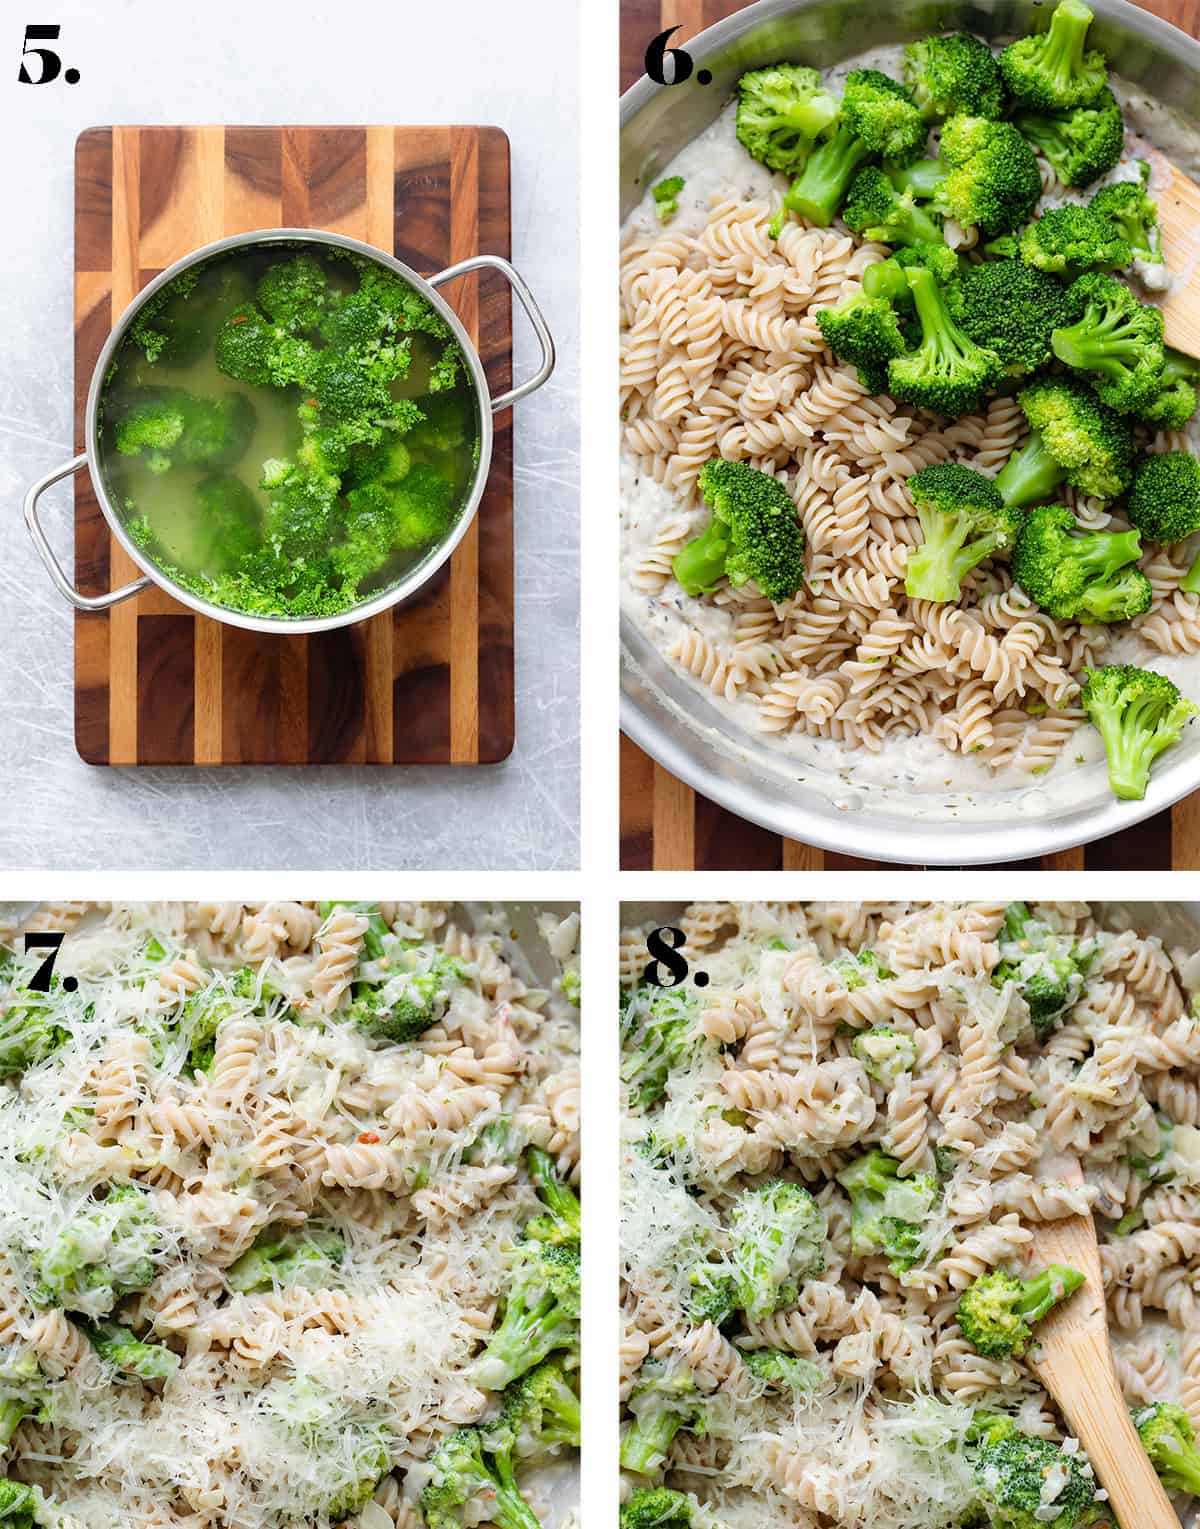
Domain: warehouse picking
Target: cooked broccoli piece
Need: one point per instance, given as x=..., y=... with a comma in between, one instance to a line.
x=754, y=534
x=20, y=1506
x=666, y=197
x=1054, y=71
x=876, y=210
x=229, y=520
x=948, y=372
x=1168, y=1438
x=778, y=1242
x=1190, y=583
x=117, y=1346
x=293, y=293
x=565, y=1221
x=283, y=1260
x=1069, y=240
x=300, y=508
x=864, y=330
x=571, y=986
x=539, y=1415
x=354, y=1450
x=879, y=117
x=886, y=280
x=656, y=1508
x=405, y=307
x=410, y=1001
x=1048, y=967
x=352, y=322
x=885, y=1053
x=1076, y=439
x=657, y=1035
x=986, y=177
x=998, y=1311
x=1132, y=214
x=344, y=389
x=104, y=1251
x=29, y=1032
x=22, y=1393
x=1010, y=307
x=1138, y=714
x=1176, y=399
x=1079, y=575
x=714, y=1295
x=498, y=1142
x=954, y=75
x=153, y=428
x=1164, y=502
x=465, y=1479
x=205, y=1011
x=541, y=1313
x=856, y=968
x=963, y=520
x=888, y=1213
x=663, y=1402
x=1024, y=1479
x=781, y=112
x=783, y=1372
x=1115, y=339
x=245, y=346
x=168, y=425
x=1082, y=144
x=169, y=329
x=422, y=507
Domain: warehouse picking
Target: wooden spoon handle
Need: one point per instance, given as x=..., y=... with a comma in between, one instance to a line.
x=1179, y=216
x=1087, y=1390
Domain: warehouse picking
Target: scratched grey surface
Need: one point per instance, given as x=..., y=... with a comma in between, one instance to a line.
x=271, y=61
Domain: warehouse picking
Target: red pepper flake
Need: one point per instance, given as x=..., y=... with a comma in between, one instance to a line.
x=368, y=1138
x=311, y=402
x=239, y=318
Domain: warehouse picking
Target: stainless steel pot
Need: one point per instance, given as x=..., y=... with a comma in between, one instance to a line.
x=416, y=576
x=663, y=711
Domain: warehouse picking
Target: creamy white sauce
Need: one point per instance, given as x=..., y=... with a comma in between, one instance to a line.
x=716, y=168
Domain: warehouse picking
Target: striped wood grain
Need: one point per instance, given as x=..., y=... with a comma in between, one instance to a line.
x=667, y=826
x=431, y=683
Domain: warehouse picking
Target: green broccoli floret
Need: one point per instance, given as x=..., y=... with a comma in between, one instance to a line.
x=666, y=197
x=657, y=1035
x=422, y=507
x=104, y=1251
x=352, y=322
x=1010, y=307
x=405, y=307
x=408, y=1003
x=23, y=1393
x=1082, y=144
x=1115, y=339
x=117, y=1346
x=875, y=210
x=153, y=428
x=1054, y=71
x=345, y=390
x=216, y=431
x=656, y=1508
x=782, y=110
x=1164, y=502
x=1069, y=240
x=885, y=1053
x=228, y=521
x=954, y=75
x=780, y=1371
x=986, y=176
x=245, y=345
x=206, y=1010
x=663, y=1402
x=169, y=330
x=540, y=1413
x=293, y=293
x=565, y=1221
x=1047, y=967
x=855, y=968
x=997, y=1312
x=354, y=1450
x=1079, y=575
x=888, y=1214
x=300, y=505
x=1138, y=714
x=283, y=1260
x=1076, y=439
x=29, y=1031
x=1168, y=1438
x=778, y=1242
x=541, y=1313
x=1013, y=1473
x=963, y=520
x=1176, y=399
x=1132, y=214
x=713, y=1296
x=948, y=372
x=754, y=534
x=571, y=986
x=864, y=330
x=879, y=117
x=465, y=1479
x=20, y=1506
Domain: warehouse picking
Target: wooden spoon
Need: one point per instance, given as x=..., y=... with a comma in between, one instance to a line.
x=1071, y=1357
x=1178, y=201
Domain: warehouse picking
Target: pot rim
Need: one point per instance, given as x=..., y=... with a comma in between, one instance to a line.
x=417, y=576
x=723, y=768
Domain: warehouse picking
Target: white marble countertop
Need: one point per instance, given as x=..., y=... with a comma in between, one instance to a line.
x=511, y=65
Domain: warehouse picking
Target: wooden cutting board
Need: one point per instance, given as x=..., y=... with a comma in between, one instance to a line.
x=429, y=683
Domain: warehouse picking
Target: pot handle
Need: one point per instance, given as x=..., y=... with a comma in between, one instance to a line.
x=534, y=313
x=55, y=569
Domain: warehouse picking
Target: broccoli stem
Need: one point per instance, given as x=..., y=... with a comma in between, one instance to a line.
x=1131, y=743
x=1044, y=1291
x=923, y=178
x=1103, y=341
x=700, y=566
x=648, y=1438
x=12, y=1410
x=510, y=1510
x=1102, y=553
x=825, y=179
x=1030, y=475
x=937, y=568
x=1062, y=55
x=1191, y=579
x=523, y=1339
x=886, y=279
